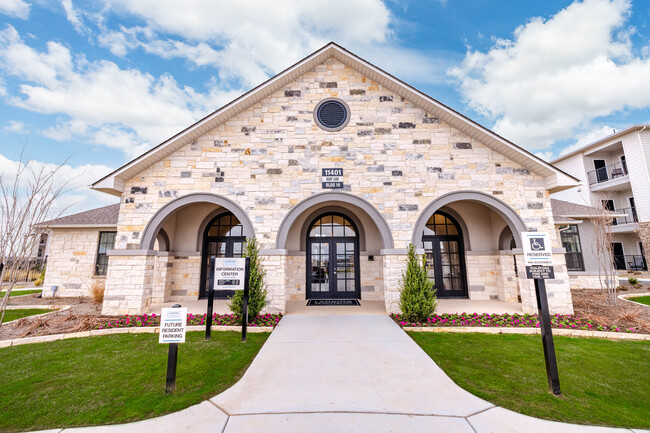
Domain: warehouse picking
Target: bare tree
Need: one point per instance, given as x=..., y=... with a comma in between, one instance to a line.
x=603, y=248
x=643, y=231
x=27, y=199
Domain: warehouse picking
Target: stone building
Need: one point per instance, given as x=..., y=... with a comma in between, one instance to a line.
x=335, y=166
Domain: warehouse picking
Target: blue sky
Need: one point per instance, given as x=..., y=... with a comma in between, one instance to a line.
x=99, y=82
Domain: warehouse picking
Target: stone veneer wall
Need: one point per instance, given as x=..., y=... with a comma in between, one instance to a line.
x=577, y=282
x=71, y=260
x=394, y=155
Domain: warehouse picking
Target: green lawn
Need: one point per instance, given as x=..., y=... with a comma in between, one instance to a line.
x=603, y=382
x=24, y=312
x=641, y=299
x=20, y=292
x=114, y=379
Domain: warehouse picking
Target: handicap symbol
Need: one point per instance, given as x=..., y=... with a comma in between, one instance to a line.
x=535, y=245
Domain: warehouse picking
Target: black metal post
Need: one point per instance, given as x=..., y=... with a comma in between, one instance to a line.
x=247, y=276
x=172, y=361
x=552, y=374
x=208, y=319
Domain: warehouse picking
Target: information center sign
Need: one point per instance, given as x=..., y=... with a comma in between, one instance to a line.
x=538, y=255
x=173, y=324
x=229, y=273
x=332, y=178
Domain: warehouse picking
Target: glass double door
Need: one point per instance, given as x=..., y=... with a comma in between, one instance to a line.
x=446, y=265
x=218, y=247
x=333, y=268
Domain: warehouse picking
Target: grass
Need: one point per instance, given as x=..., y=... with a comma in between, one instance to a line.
x=603, y=382
x=114, y=379
x=20, y=293
x=645, y=300
x=24, y=312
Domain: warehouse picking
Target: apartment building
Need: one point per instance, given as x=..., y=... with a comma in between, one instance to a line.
x=615, y=173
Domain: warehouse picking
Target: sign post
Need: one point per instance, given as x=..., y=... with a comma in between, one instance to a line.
x=173, y=324
x=230, y=274
x=538, y=259
x=208, y=322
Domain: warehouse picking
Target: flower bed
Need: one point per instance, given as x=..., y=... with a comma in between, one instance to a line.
x=153, y=320
x=508, y=321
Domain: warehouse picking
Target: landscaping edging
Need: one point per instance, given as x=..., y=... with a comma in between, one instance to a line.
x=531, y=331
x=54, y=308
x=626, y=298
x=97, y=332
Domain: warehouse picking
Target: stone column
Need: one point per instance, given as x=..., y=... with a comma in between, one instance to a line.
x=129, y=282
x=507, y=281
x=394, y=265
x=161, y=290
x=275, y=265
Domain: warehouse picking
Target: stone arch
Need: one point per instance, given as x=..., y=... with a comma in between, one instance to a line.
x=512, y=218
x=155, y=223
x=163, y=240
x=361, y=233
x=340, y=197
x=505, y=239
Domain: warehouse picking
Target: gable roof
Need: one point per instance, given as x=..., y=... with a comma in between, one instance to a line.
x=101, y=217
x=556, y=179
x=564, y=211
x=610, y=137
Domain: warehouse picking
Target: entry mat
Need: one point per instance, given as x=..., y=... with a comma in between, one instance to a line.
x=323, y=302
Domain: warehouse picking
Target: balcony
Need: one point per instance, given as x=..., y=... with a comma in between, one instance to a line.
x=625, y=223
x=611, y=177
x=630, y=263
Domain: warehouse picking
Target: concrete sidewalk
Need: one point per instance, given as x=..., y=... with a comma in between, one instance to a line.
x=344, y=374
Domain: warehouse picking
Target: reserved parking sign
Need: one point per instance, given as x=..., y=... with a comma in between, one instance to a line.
x=173, y=325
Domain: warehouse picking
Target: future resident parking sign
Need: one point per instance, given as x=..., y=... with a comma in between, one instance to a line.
x=538, y=255
x=173, y=324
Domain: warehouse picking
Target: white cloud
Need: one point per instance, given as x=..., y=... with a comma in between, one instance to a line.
x=78, y=197
x=106, y=105
x=74, y=17
x=557, y=75
x=15, y=126
x=588, y=137
x=15, y=8
x=246, y=40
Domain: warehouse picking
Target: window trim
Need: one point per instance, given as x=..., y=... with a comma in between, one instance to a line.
x=98, y=254
x=577, y=233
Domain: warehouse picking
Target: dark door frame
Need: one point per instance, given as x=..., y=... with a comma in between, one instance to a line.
x=437, y=260
x=229, y=241
x=332, y=241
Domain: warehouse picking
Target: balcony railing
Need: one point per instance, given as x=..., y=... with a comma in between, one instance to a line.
x=574, y=262
x=630, y=263
x=630, y=216
x=603, y=174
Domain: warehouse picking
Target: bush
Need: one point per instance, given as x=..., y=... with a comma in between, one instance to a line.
x=96, y=288
x=417, y=293
x=256, y=288
x=633, y=281
x=38, y=282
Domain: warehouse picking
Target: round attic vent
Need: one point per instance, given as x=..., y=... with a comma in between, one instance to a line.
x=332, y=114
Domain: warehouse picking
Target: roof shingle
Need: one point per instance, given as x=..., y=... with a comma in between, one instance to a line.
x=103, y=216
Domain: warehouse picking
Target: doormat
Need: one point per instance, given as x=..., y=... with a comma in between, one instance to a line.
x=323, y=302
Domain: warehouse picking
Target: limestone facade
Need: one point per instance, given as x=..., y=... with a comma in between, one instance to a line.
x=267, y=160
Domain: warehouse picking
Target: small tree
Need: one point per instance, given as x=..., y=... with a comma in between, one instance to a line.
x=603, y=248
x=26, y=200
x=417, y=292
x=257, y=292
x=643, y=230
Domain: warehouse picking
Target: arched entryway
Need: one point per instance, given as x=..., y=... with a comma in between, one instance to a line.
x=223, y=236
x=333, y=258
x=445, y=255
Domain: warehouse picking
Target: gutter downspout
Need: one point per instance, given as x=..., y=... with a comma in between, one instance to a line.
x=645, y=161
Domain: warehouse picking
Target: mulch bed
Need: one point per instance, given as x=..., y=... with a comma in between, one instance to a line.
x=592, y=305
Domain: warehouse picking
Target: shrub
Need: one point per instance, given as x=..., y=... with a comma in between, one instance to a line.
x=633, y=281
x=96, y=288
x=256, y=288
x=38, y=282
x=417, y=293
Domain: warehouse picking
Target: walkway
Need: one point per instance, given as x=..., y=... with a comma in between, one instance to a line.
x=344, y=374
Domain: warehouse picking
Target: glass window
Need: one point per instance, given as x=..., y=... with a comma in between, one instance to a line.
x=439, y=225
x=331, y=225
x=225, y=226
x=570, y=238
x=106, y=242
